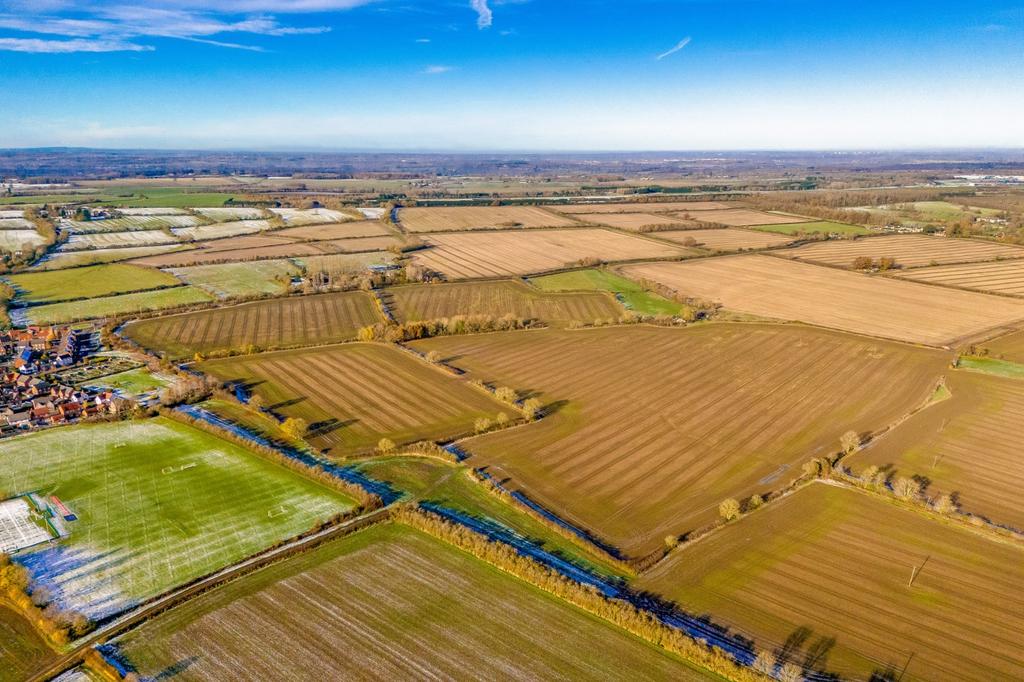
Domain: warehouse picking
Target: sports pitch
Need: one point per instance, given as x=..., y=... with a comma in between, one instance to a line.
x=158, y=504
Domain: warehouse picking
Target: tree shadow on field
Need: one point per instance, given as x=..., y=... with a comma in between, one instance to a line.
x=176, y=669
x=810, y=653
x=287, y=403
x=322, y=428
x=554, y=407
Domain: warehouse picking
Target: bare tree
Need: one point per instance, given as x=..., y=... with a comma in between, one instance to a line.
x=849, y=441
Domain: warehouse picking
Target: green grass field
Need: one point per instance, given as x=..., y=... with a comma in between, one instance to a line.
x=70, y=259
x=158, y=504
x=54, y=313
x=821, y=226
x=999, y=368
x=88, y=282
x=389, y=602
x=170, y=197
x=133, y=382
x=636, y=298
x=451, y=485
x=226, y=280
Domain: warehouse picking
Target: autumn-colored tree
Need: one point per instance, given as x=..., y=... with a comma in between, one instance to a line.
x=295, y=427
x=482, y=424
x=729, y=509
x=531, y=409
x=506, y=394
x=385, y=446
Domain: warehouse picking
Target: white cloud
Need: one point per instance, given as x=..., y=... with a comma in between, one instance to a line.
x=436, y=69
x=38, y=45
x=121, y=24
x=680, y=45
x=484, y=15
x=423, y=41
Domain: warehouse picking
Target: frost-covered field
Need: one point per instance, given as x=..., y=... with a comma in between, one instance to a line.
x=11, y=213
x=388, y=603
x=18, y=223
x=13, y=240
x=100, y=240
x=69, y=259
x=311, y=216
x=231, y=213
x=139, y=222
x=152, y=211
x=158, y=504
x=219, y=230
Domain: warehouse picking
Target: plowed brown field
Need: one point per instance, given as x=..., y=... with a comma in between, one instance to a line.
x=651, y=428
x=825, y=574
x=322, y=318
x=910, y=250
x=969, y=444
x=1002, y=277
x=783, y=289
x=453, y=218
x=644, y=207
x=499, y=254
x=727, y=239
x=354, y=394
x=436, y=301
x=740, y=217
x=389, y=603
x=631, y=221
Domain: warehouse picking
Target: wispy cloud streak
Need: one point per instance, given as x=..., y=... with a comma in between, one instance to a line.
x=680, y=45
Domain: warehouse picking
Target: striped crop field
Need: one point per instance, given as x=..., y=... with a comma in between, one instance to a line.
x=23, y=651
x=354, y=394
x=784, y=289
x=850, y=583
x=998, y=277
x=389, y=602
x=500, y=254
x=727, y=239
x=507, y=297
x=650, y=428
x=742, y=217
x=458, y=218
x=968, y=444
x=272, y=323
x=909, y=250
x=635, y=222
x=644, y=207
x=356, y=228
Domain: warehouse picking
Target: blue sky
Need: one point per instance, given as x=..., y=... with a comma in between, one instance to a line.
x=512, y=74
